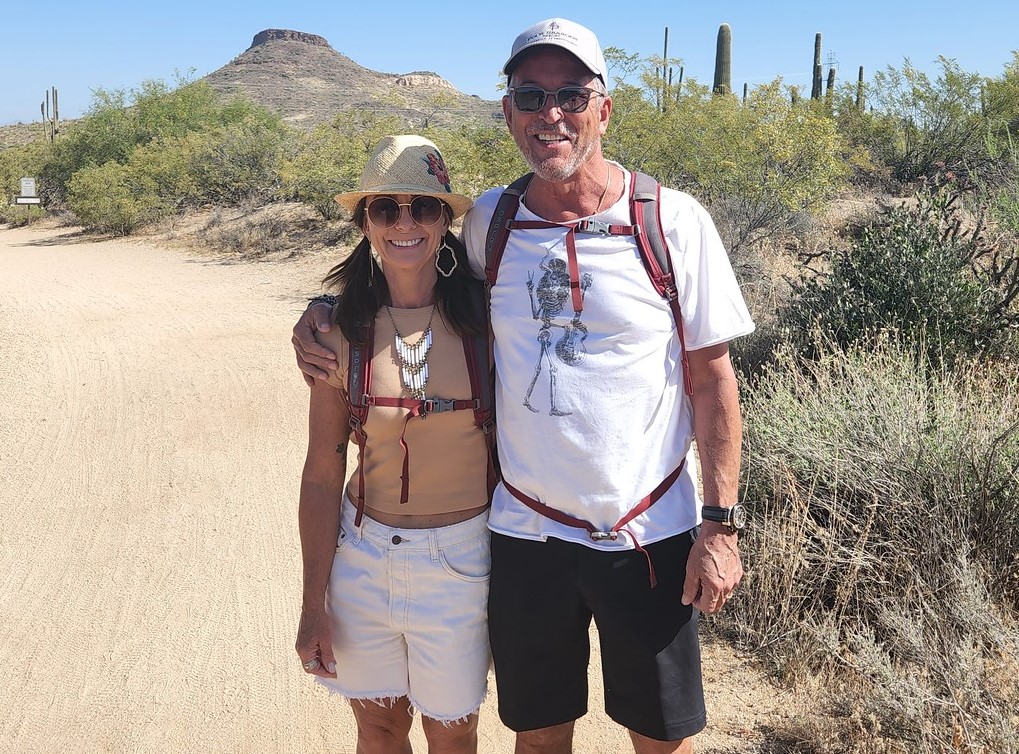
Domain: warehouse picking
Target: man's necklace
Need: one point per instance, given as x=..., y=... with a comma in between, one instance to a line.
x=608, y=180
x=413, y=357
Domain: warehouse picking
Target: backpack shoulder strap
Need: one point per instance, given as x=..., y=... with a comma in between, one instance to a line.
x=359, y=376
x=645, y=213
x=482, y=392
x=498, y=228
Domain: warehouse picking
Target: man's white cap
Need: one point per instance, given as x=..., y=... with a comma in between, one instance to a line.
x=567, y=35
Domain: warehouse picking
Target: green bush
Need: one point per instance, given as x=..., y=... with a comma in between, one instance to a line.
x=881, y=556
x=330, y=159
x=240, y=162
x=938, y=123
x=479, y=157
x=114, y=198
x=758, y=166
x=923, y=269
x=119, y=122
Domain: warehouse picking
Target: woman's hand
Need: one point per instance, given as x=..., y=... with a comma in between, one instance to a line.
x=315, y=644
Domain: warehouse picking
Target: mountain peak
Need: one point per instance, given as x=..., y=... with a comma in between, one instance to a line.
x=301, y=77
x=287, y=35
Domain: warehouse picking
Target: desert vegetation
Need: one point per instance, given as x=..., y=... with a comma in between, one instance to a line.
x=881, y=390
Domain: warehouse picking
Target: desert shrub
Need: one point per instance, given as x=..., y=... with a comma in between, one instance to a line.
x=114, y=198
x=241, y=161
x=119, y=122
x=252, y=237
x=923, y=269
x=479, y=157
x=167, y=162
x=330, y=159
x=881, y=553
x=757, y=165
x=763, y=163
x=1001, y=100
x=938, y=123
x=869, y=137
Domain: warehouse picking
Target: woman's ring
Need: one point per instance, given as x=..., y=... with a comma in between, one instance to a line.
x=312, y=664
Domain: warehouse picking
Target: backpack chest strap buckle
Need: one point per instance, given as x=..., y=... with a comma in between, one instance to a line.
x=439, y=405
x=595, y=227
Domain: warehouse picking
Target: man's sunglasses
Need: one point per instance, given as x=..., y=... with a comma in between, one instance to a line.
x=384, y=211
x=571, y=99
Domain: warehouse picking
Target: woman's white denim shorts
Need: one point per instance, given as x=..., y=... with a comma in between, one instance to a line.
x=409, y=614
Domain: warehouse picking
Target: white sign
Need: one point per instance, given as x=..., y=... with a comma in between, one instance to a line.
x=28, y=187
x=27, y=200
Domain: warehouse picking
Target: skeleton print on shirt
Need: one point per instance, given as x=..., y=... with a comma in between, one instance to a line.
x=548, y=303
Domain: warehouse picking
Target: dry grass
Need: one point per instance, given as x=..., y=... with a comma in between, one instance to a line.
x=882, y=576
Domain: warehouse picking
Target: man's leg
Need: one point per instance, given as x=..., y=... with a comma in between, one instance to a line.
x=645, y=745
x=557, y=739
x=539, y=631
x=649, y=647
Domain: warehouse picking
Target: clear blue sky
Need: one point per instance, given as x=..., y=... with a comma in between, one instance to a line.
x=79, y=45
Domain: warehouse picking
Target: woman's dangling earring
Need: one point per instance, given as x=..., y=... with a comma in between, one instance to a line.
x=452, y=254
x=373, y=261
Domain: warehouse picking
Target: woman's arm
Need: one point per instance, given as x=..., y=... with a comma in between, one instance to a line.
x=318, y=519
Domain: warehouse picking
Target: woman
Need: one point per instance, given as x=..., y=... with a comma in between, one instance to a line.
x=396, y=570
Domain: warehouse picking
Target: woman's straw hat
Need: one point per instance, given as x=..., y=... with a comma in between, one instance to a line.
x=406, y=164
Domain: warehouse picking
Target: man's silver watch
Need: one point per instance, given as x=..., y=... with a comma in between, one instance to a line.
x=734, y=517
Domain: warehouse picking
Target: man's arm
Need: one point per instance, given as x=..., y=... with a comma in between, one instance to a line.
x=714, y=568
x=312, y=357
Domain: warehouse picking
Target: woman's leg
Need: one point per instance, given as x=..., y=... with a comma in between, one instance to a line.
x=451, y=738
x=382, y=729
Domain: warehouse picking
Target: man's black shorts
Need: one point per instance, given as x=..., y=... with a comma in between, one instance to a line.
x=541, y=599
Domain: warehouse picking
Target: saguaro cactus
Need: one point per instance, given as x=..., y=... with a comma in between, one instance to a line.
x=723, y=61
x=859, y=91
x=828, y=91
x=56, y=114
x=815, y=89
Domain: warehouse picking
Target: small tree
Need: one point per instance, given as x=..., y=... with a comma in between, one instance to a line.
x=938, y=122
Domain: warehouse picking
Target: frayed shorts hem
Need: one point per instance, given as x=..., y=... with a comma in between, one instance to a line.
x=388, y=698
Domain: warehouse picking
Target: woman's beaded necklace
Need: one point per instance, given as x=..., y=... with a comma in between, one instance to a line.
x=413, y=357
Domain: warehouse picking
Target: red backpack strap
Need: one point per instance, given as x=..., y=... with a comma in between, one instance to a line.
x=482, y=391
x=498, y=227
x=359, y=377
x=645, y=202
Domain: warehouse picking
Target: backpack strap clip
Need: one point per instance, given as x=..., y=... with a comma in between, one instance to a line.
x=441, y=405
x=596, y=227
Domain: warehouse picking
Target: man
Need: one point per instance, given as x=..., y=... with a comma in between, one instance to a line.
x=593, y=420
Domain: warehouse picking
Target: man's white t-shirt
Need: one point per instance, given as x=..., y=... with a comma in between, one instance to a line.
x=590, y=409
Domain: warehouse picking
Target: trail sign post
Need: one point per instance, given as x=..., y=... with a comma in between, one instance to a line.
x=28, y=196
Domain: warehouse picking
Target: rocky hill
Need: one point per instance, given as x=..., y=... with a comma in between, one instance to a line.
x=302, y=77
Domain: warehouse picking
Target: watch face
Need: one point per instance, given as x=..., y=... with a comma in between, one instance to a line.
x=739, y=517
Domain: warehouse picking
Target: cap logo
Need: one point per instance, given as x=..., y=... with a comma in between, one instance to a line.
x=437, y=167
x=553, y=33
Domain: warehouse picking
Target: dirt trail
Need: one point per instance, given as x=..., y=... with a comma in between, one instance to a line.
x=151, y=439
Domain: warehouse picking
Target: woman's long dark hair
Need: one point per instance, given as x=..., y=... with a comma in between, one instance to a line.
x=460, y=297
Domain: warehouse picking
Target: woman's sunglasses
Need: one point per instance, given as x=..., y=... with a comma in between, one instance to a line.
x=384, y=211
x=571, y=99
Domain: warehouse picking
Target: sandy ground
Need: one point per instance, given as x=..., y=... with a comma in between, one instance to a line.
x=152, y=430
